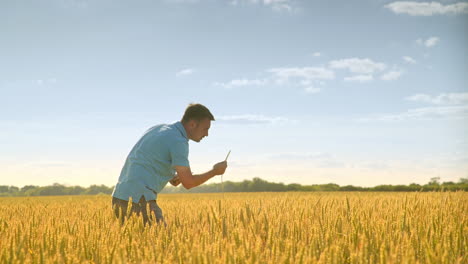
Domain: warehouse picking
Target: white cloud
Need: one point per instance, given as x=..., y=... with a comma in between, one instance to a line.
x=283, y=75
x=307, y=78
x=357, y=65
x=251, y=119
x=449, y=106
x=48, y=81
x=424, y=113
x=428, y=43
x=431, y=42
x=441, y=99
x=316, y=54
x=185, y=72
x=182, y=1
x=242, y=82
x=391, y=75
x=312, y=90
x=277, y=5
x=408, y=59
x=359, y=78
x=427, y=8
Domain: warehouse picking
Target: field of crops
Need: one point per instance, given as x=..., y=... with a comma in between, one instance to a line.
x=241, y=228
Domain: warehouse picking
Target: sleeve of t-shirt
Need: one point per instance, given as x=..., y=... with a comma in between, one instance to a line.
x=179, y=154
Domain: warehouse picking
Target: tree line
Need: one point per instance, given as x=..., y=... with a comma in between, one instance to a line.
x=55, y=189
x=260, y=185
x=254, y=185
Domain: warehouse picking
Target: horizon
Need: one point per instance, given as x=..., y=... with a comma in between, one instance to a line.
x=364, y=93
x=440, y=182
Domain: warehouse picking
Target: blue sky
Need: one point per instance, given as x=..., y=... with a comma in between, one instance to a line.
x=351, y=92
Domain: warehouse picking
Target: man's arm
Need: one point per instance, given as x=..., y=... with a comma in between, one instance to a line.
x=175, y=181
x=189, y=180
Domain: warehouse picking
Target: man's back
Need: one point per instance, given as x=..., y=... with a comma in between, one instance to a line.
x=150, y=164
x=155, y=158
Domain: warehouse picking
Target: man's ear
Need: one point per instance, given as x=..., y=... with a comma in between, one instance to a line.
x=190, y=124
x=193, y=123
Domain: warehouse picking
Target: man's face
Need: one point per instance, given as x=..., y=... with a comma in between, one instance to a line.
x=200, y=129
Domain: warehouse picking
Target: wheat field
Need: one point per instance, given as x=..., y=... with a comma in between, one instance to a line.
x=241, y=228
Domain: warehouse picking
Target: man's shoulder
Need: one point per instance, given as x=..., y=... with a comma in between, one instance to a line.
x=160, y=129
x=154, y=129
x=169, y=132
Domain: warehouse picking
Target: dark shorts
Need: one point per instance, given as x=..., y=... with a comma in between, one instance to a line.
x=149, y=210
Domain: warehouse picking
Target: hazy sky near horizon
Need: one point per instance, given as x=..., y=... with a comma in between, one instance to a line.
x=361, y=92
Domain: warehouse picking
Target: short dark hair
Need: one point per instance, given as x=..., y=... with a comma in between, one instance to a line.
x=196, y=112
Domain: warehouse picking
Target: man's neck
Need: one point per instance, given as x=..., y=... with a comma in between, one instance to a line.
x=185, y=125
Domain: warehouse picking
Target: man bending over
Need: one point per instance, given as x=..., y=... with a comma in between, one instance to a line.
x=152, y=163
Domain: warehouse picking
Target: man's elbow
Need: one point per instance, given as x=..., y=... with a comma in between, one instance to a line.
x=187, y=185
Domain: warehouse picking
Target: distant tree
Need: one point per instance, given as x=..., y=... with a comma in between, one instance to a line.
x=55, y=189
x=76, y=190
x=434, y=181
x=13, y=189
x=98, y=189
x=463, y=181
x=330, y=187
x=254, y=185
x=448, y=183
x=257, y=185
x=293, y=187
x=415, y=187
x=382, y=188
x=350, y=188
x=28, y=187
x=32, y=192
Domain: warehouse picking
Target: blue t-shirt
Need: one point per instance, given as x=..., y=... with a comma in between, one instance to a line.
x=150, y=164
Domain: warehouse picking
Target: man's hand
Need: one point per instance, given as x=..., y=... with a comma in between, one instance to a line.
x=175, y=181
x=220, y=168
x=189, y=180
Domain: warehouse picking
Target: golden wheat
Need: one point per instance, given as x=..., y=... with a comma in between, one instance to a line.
x=241, y=228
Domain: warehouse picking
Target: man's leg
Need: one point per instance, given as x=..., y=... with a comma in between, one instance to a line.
x=120, y=208
x=156, y=212
x=152, y=213
x=141, y=208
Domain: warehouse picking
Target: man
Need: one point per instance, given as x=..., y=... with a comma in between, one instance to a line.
x=152, y=163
